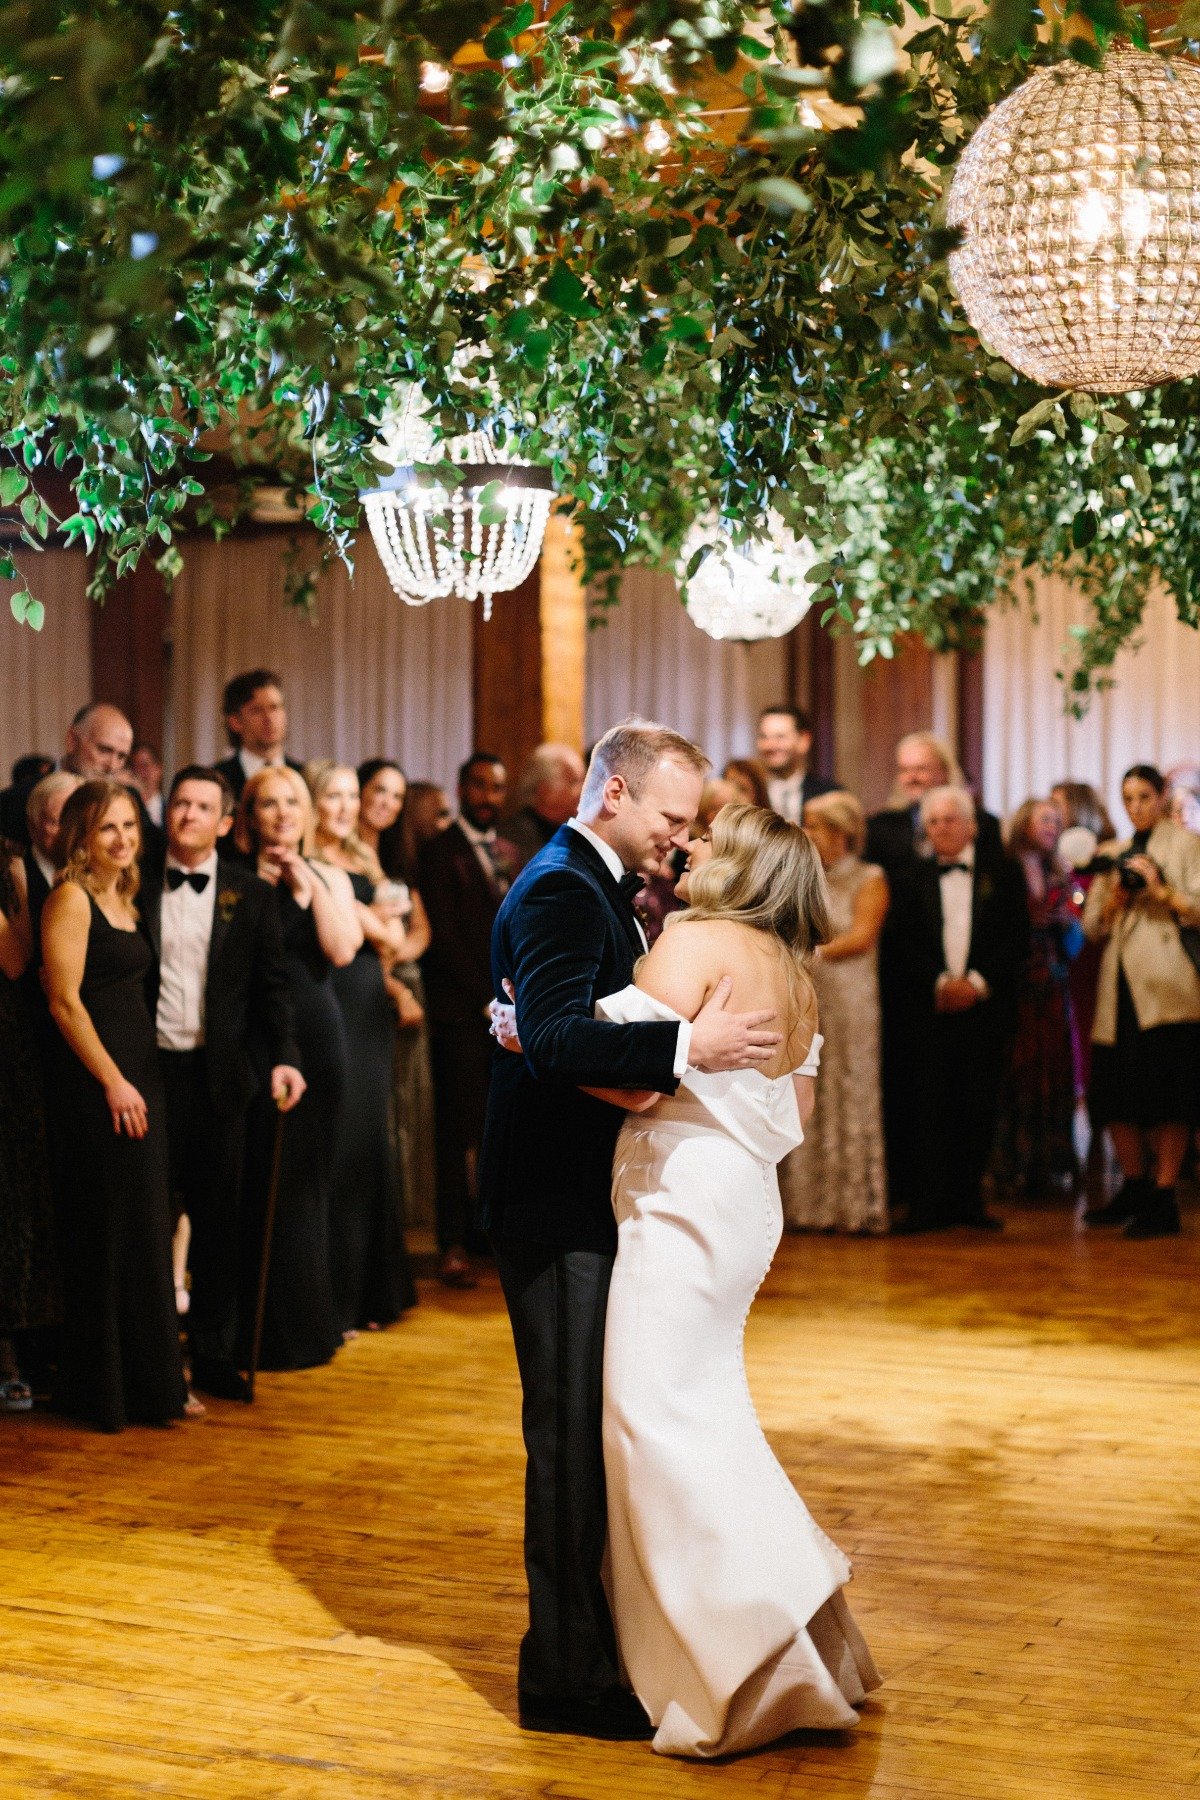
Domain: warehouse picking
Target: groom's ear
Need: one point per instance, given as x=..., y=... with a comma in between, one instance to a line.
x=614, y=788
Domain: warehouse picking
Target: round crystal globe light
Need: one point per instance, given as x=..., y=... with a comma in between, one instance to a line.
x=1079, y=200
x=756, y=589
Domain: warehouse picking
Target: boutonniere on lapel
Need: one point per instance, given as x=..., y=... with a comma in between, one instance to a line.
x=227, y=901
x=504, y=864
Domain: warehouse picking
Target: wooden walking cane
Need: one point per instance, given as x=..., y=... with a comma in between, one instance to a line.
x=264, y=1267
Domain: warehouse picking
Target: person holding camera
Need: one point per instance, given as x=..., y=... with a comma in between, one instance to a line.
x=1145, y=1086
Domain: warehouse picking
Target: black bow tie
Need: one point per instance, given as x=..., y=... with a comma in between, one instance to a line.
x=949, y=868
x=631, y=885
x=177, y=877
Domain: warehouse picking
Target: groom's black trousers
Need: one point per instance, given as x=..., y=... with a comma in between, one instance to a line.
x=556, y=1301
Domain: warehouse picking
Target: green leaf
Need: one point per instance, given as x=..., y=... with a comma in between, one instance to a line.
x=782, y=195
x=35, y=614
x=563, y=289
x=1083, y=528
x=13, y=483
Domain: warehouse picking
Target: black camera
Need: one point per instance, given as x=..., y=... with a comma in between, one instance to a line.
x=1132, y=880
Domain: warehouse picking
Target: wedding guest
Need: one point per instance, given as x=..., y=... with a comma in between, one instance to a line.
x=320, y=930
x=1080, y=804
x=895, y=843
x=256, y=724
x=783, y=747
x=747, y=777
x=43, y=817
x=121, y=1358
x=1036, y=1149
x=966, y=926
x=836, y=1180
x=146, y=772
x=1146, y=1036
x=372, y=1280
x=714, y=795
x=29, y=1285
x=426, y=812
x=384, y=790
x=98, y=741
x=1183, y=783
x=463, y=873
x=30, y=769
x=548, y=791
x=221, y=977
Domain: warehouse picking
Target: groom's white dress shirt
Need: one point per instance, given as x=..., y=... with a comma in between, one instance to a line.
x=186, y=936
x=616, y=869
x=957, y=886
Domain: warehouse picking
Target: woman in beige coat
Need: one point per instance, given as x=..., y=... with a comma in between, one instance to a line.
x=1145, y=1084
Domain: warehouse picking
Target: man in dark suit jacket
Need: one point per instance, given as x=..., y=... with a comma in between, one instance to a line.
x=256, y=721
x=463, y=875
x=215, y=930
x=783, y=747
x=98, y=742
x=565, y=936
x=894, y=842
x=966, y=928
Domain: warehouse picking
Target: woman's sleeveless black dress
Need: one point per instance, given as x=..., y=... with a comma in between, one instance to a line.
x=372, y=1281
x=300, y=1325
x=121, y=1357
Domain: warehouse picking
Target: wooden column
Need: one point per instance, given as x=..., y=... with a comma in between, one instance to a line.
x=970, y=716
x=530, y=658
x=129, y=657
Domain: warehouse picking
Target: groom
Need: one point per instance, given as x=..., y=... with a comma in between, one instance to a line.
x=566, y=935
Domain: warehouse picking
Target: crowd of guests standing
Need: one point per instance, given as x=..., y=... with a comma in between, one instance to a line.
x=244, y=1029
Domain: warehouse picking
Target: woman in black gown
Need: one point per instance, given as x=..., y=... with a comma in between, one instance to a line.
x=121, y=1356
x=320, y=932
x=371, y=1275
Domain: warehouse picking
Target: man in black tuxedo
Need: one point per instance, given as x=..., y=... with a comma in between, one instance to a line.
x=463, y=874
x=256, y=723
x=966, y=930
x=98, y=742
x=783, y=747
x=215, y=928
x=566, y=935
x=896, y=842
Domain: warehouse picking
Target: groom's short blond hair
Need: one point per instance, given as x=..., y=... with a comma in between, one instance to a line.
x=634, y=749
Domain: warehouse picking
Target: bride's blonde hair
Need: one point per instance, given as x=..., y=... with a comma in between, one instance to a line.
x=765, y=873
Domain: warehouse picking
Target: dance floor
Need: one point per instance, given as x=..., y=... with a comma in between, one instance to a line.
x=321, y=1596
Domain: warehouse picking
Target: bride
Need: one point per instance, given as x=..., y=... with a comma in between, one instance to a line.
x=726, y=1596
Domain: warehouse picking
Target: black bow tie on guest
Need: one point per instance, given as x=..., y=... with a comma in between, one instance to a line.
x=949, y=868
x=177, y=877
x=631, y=885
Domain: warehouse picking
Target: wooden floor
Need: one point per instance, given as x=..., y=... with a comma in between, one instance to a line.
x=321, y=1596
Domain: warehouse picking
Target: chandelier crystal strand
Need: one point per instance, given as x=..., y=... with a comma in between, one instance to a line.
x=432, y=538
x=1079, y=198
x=744, y=592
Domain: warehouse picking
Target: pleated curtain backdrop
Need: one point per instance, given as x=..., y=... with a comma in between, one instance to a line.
x=369, y=676
x=649, y=658
x=1029, y=743
x=45, y=676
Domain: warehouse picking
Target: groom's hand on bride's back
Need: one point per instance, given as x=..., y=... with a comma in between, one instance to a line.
x=725, y=1040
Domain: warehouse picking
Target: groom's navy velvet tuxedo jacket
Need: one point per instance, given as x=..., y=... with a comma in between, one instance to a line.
x=564, y=937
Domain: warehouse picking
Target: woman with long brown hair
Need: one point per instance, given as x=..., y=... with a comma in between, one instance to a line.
x=121, y=1361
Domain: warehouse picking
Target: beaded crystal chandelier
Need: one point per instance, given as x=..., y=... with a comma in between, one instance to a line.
x=1079, y=197
x=475, y=534
x=757, y=589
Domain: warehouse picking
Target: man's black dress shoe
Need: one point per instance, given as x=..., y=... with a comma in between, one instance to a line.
x=915, y=1226
x=616, y=1714
x=1157, y=1216
x=1125, y=1203
x=219, y=1378
x=984, y=1221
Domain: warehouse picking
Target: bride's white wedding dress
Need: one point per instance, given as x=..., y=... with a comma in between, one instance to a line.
x=726, y=1595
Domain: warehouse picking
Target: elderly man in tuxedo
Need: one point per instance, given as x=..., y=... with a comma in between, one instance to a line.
x=966, y=930
x=215, y=928
x=98, y=742
x=463, y=874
